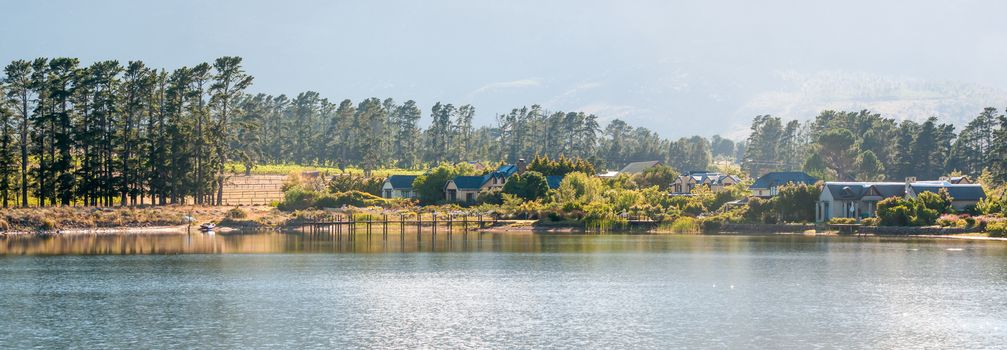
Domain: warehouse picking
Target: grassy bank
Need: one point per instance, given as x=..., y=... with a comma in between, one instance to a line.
x=91, y=218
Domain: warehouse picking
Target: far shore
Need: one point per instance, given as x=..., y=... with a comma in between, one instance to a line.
x=519, y=230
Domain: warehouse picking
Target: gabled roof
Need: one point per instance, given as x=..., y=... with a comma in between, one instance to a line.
x=714, y=178
x=857, y=190
x=469, y=182
x=401, y=182
x=507, y=169
x=554, y=181
x=780, y=178
x=846, y=190
x=638, y=167
x=958, y=192
x=890, y=189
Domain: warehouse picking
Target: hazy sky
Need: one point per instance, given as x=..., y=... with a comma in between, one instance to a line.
x=678, y=67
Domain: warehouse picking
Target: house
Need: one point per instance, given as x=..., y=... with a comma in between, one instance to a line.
x=766, y=185
x=554, y=181
x=715, y=181
x=466, y=189
x=477, y=165
x=398, y=186
x=854, y=199
x=963, y=196
x=638, y=167
x=860, y=199
x=957, y=180
x=607, y=174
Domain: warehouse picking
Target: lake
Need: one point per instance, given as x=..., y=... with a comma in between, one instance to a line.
x=484, y=290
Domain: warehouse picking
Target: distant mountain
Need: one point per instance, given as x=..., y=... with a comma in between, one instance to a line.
x=683, y=101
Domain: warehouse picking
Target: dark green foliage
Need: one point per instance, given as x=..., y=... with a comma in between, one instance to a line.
x=560, y=166
x=762, y=211
x=897, y=211
x=356, y=182
x=661, y=176
x=529, y=186
x=796, y=202
x=430, y=186
x=689, y=154
x=299, y=198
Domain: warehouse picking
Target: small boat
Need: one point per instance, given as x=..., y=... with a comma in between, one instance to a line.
x=207, y=227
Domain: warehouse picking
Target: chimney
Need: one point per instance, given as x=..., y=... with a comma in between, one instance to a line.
x=521, y=166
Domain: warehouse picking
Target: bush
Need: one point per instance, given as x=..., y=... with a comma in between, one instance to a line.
x=356, y=182
x=298, y=198
x=761, y=211
x=694, y=208
x=870, y=222
x=842, y=221
x=530, y=186
x=236, y=213
x=660, y=175
x=997, y=228
x=970, y=221
x=685, y=224
x=897, y=211
x=947, y=220
x=350, y=198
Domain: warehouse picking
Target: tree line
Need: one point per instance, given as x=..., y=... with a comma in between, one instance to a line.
x=865, y=146
x=109, y=133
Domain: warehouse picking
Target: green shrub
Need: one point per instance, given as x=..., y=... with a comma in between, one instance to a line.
x=997, y=228
x=530, y=186
x=685, y=224
x=970, y=221
x=712, y=224
x=870, y=222
x=350, y=198
x=842, y=221
x=356, y=182
x=694, y=208
x=897, y=211
x=298, y=198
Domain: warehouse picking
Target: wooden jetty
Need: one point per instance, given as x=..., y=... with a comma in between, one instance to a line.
x=350, y=224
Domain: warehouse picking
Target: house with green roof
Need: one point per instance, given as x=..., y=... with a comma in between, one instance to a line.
x=466, y=189
x=766, y=186
x=398, y=186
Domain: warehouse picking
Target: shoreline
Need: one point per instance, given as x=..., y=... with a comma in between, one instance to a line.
x=183, y=229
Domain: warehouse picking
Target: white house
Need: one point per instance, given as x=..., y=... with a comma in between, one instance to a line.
x=398, y=186
x=860, y=199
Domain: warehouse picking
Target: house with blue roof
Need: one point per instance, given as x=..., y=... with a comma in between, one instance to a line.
x=554, y=181
x=398, y=186
x=767, y=185
x=466, y=189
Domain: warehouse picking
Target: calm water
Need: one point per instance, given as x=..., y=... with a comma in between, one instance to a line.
x=500, y=291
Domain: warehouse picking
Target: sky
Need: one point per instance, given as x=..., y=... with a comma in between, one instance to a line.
x=677, y=67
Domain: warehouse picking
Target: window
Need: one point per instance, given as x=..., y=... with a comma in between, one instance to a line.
x=469, y=197
x=388, y=193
